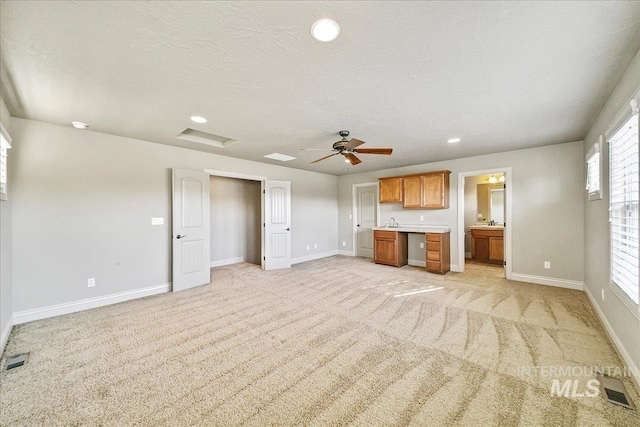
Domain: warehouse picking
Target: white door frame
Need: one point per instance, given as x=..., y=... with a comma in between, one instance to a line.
x=354, y=211
x=508, y=251
x=262, y=179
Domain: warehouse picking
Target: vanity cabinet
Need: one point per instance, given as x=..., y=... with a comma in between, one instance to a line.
x=487, y=245
x=390, y=189
x=438, y=252
x=390, y=248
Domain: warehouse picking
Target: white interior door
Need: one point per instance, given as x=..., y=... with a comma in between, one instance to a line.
x=277, y=225
x=190, y=229
x=365, y=220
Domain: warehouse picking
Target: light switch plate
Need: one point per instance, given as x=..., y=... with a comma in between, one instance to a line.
x=157, y=221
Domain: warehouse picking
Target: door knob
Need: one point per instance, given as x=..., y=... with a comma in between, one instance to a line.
x=288, y=229
x=358, y=225
x=180, y=237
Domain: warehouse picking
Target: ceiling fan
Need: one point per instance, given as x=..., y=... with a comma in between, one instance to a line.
x=348, y=147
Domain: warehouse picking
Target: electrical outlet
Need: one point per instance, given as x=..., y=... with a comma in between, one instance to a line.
x=91, y=282
x=157, y=221
x=479, y=215
x=421, y=245
x=547, y=264
x=344, y=243
x=421, y=217
x=602, y=294
x=307, y=247
x=315, y=246
x=350, y=216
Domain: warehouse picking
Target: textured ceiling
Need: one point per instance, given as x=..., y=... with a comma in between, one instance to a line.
x=405, y=75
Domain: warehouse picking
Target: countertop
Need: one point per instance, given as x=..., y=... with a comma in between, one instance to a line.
x=487, y=227
x=417, y=229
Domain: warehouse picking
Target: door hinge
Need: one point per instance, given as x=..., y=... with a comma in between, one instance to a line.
x=264, y=258
x=264, y=191
x=504, y=262
x=264, y=224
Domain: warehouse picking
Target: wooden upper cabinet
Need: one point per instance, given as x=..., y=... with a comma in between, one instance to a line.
x=435, y=190
x=390, y=189
x=412, y=192
x=426, y=191
x=420, y=191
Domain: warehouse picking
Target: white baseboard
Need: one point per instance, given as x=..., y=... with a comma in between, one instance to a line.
x=617, y=344
x=454, y=268
x=5, y=334
x=346, y=253
x=313, y=256
x=227, y=261
x=86, y=304
x=548, y=281
x=417, y=262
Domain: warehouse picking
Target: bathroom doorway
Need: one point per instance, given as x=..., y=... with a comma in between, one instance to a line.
x=484, y=210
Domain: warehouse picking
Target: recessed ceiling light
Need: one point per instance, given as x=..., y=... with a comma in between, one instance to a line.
x=198, y=119
x=79, y=125
x=453, y=140
x=325, y=30
x=281, y=157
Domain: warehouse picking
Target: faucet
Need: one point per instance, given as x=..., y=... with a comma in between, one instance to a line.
x=393, y=224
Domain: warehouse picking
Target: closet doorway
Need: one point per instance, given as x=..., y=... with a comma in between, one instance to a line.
x=235, y=218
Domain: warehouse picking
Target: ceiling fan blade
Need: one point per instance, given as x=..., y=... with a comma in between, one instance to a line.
x=325, y=157
x=352, y=158
x=353, y=143
x=385, y=151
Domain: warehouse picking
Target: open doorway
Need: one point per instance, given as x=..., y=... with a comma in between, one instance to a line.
x=235, y=218
x=484, y=210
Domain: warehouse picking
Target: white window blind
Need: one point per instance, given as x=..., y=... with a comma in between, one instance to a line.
x=4, y=146
x=624, y=204
x=593, y=172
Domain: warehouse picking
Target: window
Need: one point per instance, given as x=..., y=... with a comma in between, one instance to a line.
x=594, y=171
x=4, y=147
x=623, y=206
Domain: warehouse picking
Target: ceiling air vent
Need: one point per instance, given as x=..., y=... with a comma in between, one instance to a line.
x=206, y=138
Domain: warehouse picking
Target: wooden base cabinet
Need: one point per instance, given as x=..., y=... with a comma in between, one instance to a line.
x=390, y=248
x=438, y=252
x=487, y=245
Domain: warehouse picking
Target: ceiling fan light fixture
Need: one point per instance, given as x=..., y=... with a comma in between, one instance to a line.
x=493, y=179
x=325, y=30
x=501, y=179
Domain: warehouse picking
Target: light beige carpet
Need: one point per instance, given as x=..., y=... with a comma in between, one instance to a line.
x=338, y=341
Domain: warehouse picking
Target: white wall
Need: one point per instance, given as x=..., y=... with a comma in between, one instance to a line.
x=622, y=323
x=547, y=206
x=6, y=296
x=236, y=207
x=82, y=207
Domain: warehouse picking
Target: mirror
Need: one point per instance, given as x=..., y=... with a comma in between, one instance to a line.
x=490, y=206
